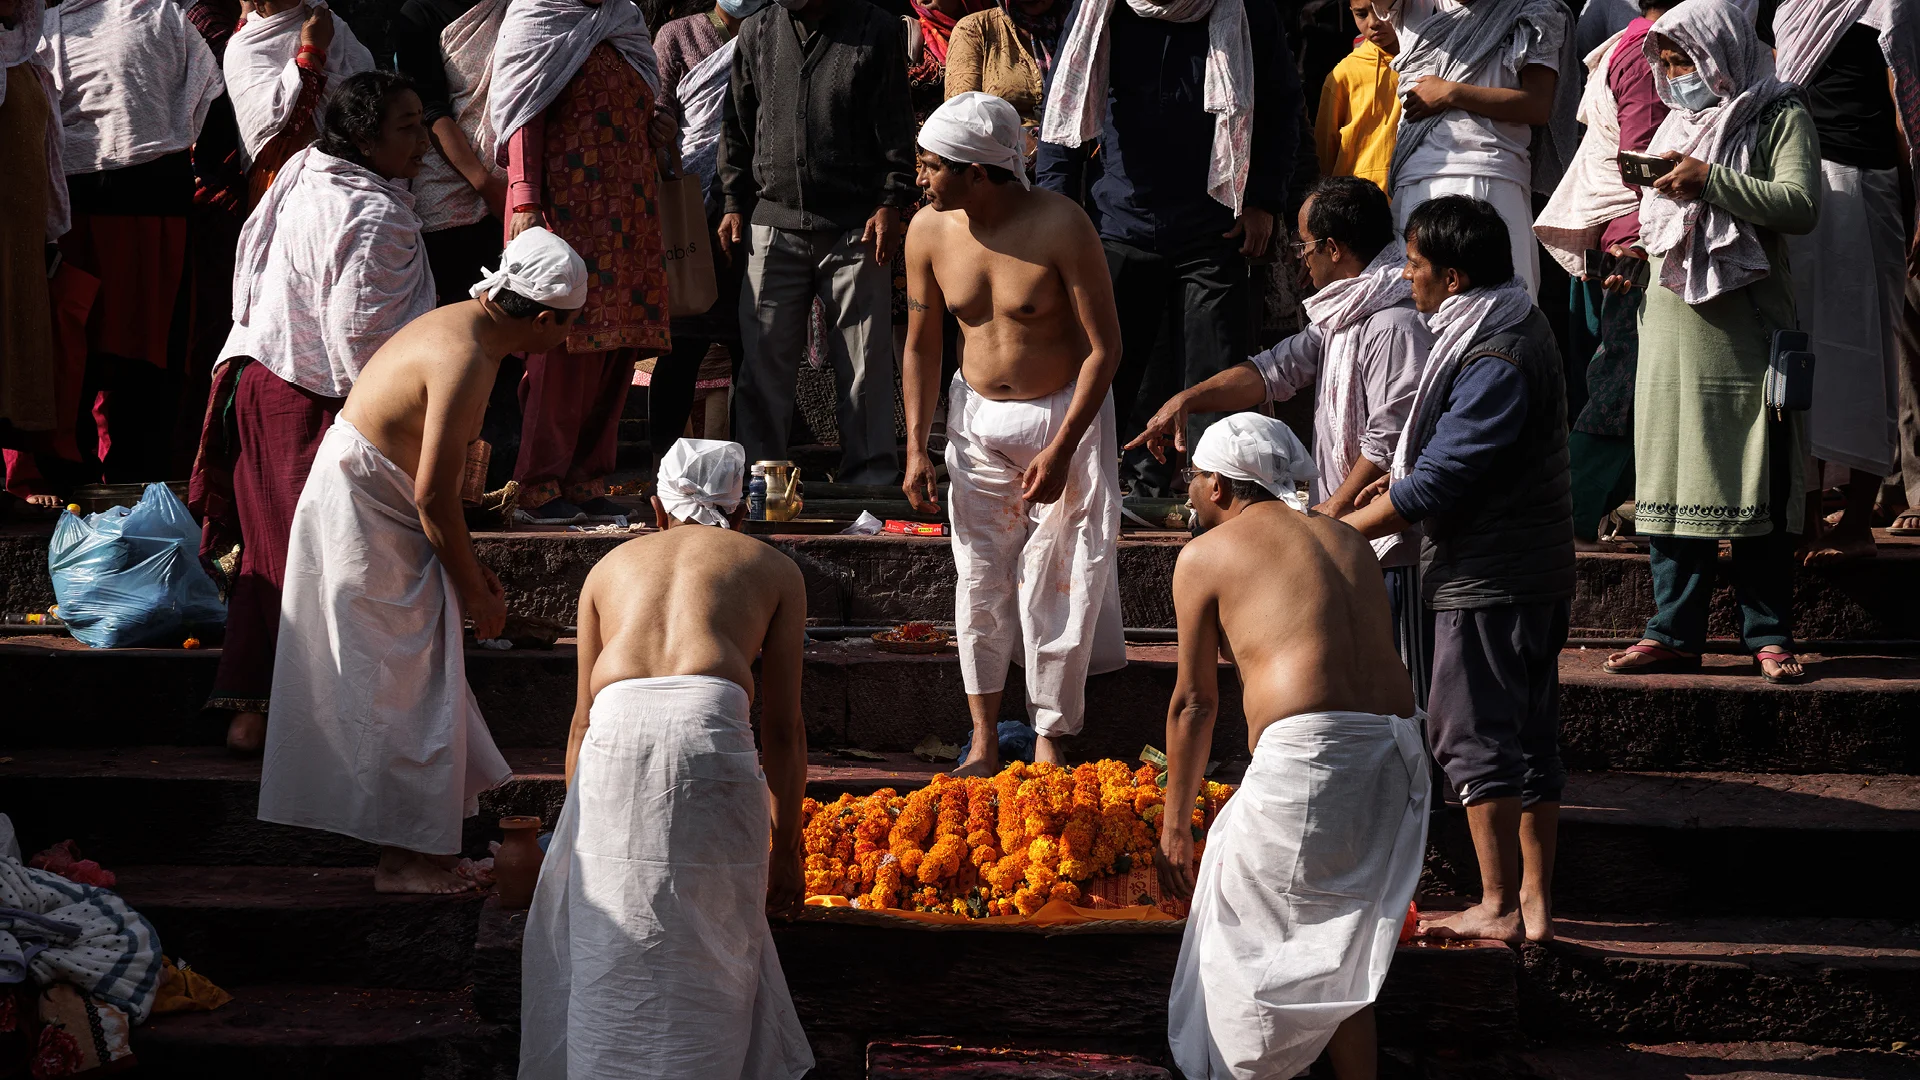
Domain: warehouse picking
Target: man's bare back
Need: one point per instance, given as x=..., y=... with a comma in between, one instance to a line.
x=1301, y=610
x=1006, y=285
x=692, y=600
x=438, y=356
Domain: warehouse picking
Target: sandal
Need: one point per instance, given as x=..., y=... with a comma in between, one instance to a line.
x=1665, y=661
x=1911, y=529
x=1778, y=655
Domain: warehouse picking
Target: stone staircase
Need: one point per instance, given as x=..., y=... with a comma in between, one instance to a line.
x=1732, y=875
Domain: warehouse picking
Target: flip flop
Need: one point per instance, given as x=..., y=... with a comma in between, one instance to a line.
x=1897, y=529
x=1779, y=656
x=1665, y=661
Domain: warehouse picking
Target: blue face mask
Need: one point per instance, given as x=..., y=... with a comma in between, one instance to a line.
x=1691, y=92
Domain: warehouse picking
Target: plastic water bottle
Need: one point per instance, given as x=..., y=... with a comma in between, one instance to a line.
x=757, y=495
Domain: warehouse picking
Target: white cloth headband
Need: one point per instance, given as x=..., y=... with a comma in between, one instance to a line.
x=978, y=129
x=700, y=480
x=1260, y=450
x=541, y=267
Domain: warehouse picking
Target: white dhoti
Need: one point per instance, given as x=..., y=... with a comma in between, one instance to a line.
x=1512, y=199
x=647, y=950
x=374, y=732
x=1040, y=582
x=1848, y=281
x=1301, y=895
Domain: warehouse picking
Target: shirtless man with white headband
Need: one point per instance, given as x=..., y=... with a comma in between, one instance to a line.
x=375, y=734
x=1031, y=448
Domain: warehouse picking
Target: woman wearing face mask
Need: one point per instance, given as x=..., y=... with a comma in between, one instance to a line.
x=1711, y=461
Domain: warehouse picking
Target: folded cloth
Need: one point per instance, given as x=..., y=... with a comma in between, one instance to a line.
x=445, y=198
x=647, y=952
x=328, y=222
x=700, y=480
x=543, y=44
x=53, y=930
x=978, y=129
x=1301, y=894
x=1038, y=581
x=1592, y=192
x=374, y=732
x=135, y=80
x=1259, y=450
x=263, y=81
x=703, y=94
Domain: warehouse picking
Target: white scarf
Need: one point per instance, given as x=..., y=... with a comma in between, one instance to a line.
x=1340, y=306
x=1805, y=32
x=262, y=79
x=1462, y=321
x=703, y=96
x=1592, y=193
x=1077, y=105
x=444, y=197
x=544, y=42
x=1454, y=43
x=1708, y=251
x=353, y=230
x=18, y=46
x=135, y=80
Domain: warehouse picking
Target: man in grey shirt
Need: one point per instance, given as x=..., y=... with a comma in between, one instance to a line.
x=816, y=173
x=1362, y=353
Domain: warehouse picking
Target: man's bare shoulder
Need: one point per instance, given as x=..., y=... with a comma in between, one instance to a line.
x=1067, y=221
x=929, y=224
x=702, y=550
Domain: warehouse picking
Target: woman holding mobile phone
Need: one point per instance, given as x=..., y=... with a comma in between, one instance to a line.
x=1712, y=462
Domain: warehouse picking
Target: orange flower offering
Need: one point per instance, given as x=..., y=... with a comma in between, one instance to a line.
x=982, y=846
x=190, y=643
x=914, y=631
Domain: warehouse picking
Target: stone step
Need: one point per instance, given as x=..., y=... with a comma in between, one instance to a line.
x=877, y=977
x=1688, y=843
x=1770, y=1060
x=1831, y=982
x=1854, y=715
x=932, y=1059
x=867, y=580
x=294, y=1032
x=243, y=925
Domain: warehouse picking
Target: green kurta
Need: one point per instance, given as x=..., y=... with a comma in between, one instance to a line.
x=1700, y=431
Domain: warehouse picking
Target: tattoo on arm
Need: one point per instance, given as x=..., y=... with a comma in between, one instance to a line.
x=914, y=304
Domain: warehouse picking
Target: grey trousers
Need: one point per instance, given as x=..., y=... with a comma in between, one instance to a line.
x=785, y=270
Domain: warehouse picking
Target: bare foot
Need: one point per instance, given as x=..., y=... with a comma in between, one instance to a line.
x=978, y=765
x=45, y=502
x=1838, y=546
x=1046, y=750
x=247, y=733
x=1477, y=923
x=411, y=872
x=1907, y=523
x=1536, y=914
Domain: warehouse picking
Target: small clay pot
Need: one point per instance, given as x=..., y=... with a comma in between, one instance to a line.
x=516, y=867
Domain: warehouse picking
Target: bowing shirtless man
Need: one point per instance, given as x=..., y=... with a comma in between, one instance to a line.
x=1031, y=449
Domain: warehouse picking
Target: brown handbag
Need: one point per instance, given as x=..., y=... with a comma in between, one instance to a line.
x=692, y=286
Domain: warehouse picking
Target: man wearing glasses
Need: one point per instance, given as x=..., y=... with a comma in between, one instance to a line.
x=1362, y=353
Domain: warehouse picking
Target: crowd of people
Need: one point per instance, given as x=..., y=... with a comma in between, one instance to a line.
x=242, y=247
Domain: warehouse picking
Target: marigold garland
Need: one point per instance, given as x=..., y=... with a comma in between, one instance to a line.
x=982, y=846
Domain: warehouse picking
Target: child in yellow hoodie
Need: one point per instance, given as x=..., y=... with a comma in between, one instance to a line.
x=1359, y=105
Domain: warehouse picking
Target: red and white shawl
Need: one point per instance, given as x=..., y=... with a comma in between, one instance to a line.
x=444, y=197
x=262, y=78
x=1077, y=104
x=135, y=80
x=543, y=43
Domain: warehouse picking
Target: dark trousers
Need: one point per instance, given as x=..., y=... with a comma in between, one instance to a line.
x=1200, y=296
x=1412, y=627
x=1761, y=571
x=1602, y=478
x=1493, y=714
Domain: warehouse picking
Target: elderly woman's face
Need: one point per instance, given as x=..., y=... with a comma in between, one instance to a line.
x=1674, y=61
x=403, y=138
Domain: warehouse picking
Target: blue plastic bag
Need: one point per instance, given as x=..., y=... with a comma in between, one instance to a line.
x=1016, y=742
x=131, y=576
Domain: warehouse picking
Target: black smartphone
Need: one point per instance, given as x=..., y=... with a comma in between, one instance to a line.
x=1599, y=265
x=1643, y=169
x=1636, y=271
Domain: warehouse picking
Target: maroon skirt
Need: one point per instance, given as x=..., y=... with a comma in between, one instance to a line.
x=256, y=448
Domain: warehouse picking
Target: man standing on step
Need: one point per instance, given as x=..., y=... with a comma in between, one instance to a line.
x=1031, y=446
x=1483, y=467
x=1300, y=898
x=375, y=733
x=647, y=950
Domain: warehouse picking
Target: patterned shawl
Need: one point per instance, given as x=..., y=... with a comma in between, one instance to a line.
x=1706, y=250
x=544, y=42
x=936, y=26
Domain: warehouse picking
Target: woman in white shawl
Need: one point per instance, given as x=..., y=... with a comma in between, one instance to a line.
x=330, y=266
x=1711, y=461
x=279, y=66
